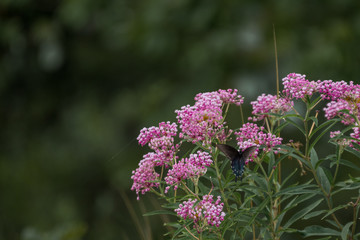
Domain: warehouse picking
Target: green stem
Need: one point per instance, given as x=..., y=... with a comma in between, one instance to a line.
x=327, y=198
x=273, y=207
x=307, y=139
x=355, y=216
x=220, y=181
x=337, y=165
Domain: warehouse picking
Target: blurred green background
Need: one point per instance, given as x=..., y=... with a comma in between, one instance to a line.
x=80, y=78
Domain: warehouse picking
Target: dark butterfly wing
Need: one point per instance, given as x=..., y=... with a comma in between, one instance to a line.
x=247, y=152
x=229, y=151
x=243, y=157
x=237, y=165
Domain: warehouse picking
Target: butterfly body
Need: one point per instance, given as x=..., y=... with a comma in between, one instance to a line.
x=238, y=158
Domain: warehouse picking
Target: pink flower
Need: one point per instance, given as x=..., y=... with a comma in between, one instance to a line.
x=188, y=168
x=206, y=210
x=345, y=141
x=338, y=90
x=161, y=140
x=230, y=96
x=204, y=120
x=356, y=135
x=158, y=137
x=334, y=109
x=296, y=86
x=339, y=140
x=145, y=175
x=266, y=104
x=252, y=135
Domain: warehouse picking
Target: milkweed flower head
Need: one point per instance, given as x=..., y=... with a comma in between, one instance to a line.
x=346, y=141
x=337, y=136
x=161, y=140
x=297, y=86
x=205, y=212
x=144, y=176
x=251, y=134
x=331, y=90
x=188, y=168
x=204, y=120
x=158, y=137
x=336, y=108
x=266, y=104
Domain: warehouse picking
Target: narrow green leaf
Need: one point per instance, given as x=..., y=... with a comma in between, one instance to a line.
x=271, y=163
x=294, y=115
x=313, y=158
x=345, y=231
x=322, y=126
x=320, y=135
x=304, y=188
x=323, y=179
x=315, y=120
x=317, y=230
x=280, y=127
x=314, y=214
x=296, y=125
x=311, y=105
x=288, y=177
x=302, y=213
x=353, y=151
x=158, y=212
x=334, y=210
x=349, y=164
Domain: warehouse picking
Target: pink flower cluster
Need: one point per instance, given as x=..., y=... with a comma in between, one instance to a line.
x=205, y=210
x=331, y=90
x=344, y=141
x=356, y=135
x=251, y=134
x=145, y=175
x=188, y=168
x=296, y=86
x=230, y=96
x=161, y=140
x=152, y=135
x=204, y=120
x=334, y=109
x=266, y=104
x=339, y=140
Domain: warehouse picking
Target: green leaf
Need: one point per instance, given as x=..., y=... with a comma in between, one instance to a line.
x=280, y=127
x=313, y=158
x=302, y=213
x=345, y=231
x=323, y=179
x=349, y=164
x=321, y=134
x=296, y=125
x=271, y=163
x=304, y=188
x=305, y=162
x=159, y=212
x=311, y=105
x=294, y=115
x=288, y=177
x=316, y=230
x=353, y=151
x=315, y=120
x=334, y=210
x=332, y=121
x=314, y=214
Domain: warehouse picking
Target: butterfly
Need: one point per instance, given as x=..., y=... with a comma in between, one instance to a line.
x=238, y=158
